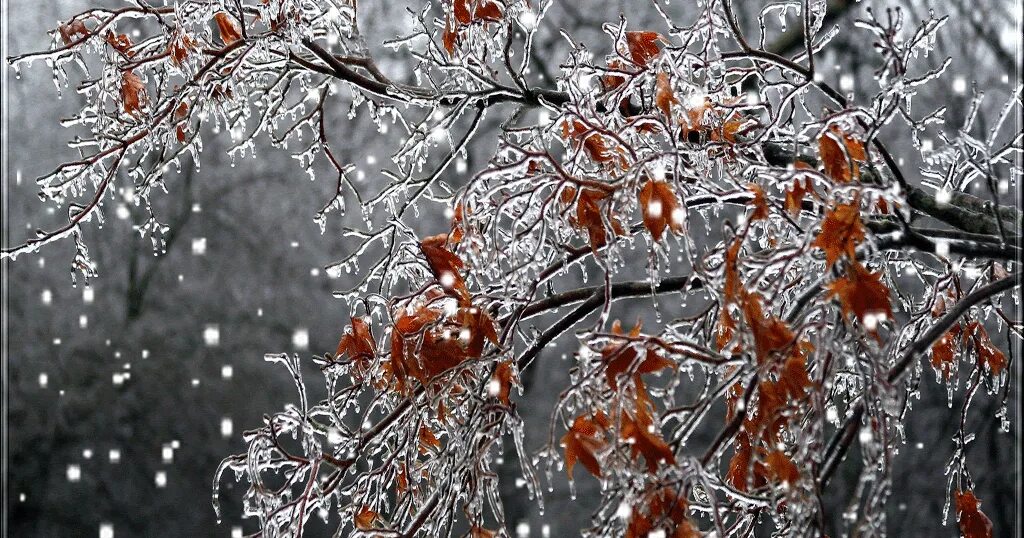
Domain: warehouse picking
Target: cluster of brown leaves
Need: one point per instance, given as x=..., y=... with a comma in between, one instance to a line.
x=636, y=426
x=594, y=144
x=465, y=13
x=665, y=509
x=946, y=350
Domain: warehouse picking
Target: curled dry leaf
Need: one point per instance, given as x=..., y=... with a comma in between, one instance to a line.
x=664, y=96
x=72, y=31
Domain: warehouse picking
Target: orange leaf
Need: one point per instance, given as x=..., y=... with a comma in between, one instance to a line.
x=944, y=351
x=428, y=440
x=229, y=30
x=660, y=209
x=760, y=203
x=988, y=353
x=449, y=38
x=582, y=441
x=796, y=193
x=834, y=147
x=973, y=522
x=504, y=377
x=643, y=46
x=664, y=97
x=779, y=468
x=841, y=232
x=365, y=518
x=862, y=293
x=71, y=31
x=644, y=440
x=133, y=92
x=446, y=266
x=462, y=13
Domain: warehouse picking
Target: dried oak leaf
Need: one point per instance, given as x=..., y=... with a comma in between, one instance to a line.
x=120, y=42
x=643, y=46
x=771, y=334
x=661, y=209
x=621, y=357
x=841, y=232
x=779, y=468
x=973, y=522
x=834, y=147
x=797, y=192
x=428, y=441
x=229, y=30
x=862, y=294
x=583, y=440
x=589, y=215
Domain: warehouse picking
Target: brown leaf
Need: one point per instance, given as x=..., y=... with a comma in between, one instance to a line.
x=120, y=42
x=365, y=518
x=133, y=92
x=988, y=353
x=973, y=522
x=70, y=32
x=944, y=351
x=797, y=192
x=760, y=203
x=660, y=209
x=841, y=232
x=504, y=377
x=862, y=294
x=229, y=30
x=771, y=334
x=583, y=440
x=643, y=46
x=446, y=266
x=487, y=10
x=358, y=344
x=779, y=468
x=664, y=96
x=646, y=441
x=834, y=147
x=428, y=440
